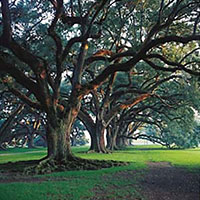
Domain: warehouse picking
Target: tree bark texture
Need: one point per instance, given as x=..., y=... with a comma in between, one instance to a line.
x=58, y=136
x=112, y=137
x=98, y=140
x=96, y=131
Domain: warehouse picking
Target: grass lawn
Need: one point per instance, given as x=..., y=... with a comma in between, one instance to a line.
x=81, y=185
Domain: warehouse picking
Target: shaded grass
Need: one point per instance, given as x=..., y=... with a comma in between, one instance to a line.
x=84, y=185
x=53, y=190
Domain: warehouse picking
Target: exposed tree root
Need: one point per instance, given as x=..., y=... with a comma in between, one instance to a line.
x=50, y=165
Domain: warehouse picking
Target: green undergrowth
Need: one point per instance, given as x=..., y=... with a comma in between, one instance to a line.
x=84, y=185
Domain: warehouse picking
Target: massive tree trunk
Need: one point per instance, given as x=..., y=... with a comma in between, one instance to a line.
x=58, y=135
x=58, y=146
x=98, y=141
x=112, y=137
x=123, y=141
x=96, y=131
x=60, y=156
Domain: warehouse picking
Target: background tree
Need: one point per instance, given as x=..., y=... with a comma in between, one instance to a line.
x=174, y=122
x=20, y=124
x=9, y=109
x=78, y=136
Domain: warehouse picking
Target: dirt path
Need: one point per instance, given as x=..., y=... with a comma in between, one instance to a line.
x=166, y=182
x=161, y=181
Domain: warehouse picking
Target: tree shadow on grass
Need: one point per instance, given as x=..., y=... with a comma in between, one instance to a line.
x=18, y=166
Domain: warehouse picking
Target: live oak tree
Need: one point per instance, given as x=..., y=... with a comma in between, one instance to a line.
x=50, y=38
x=169, y=126
x=23, y=126
x=102, y=108
x=178, y=132
x=182, y=130
x=19, y=125
x=9, y=108
x=168, y=120
x=170, y=96
x=29, y=126
x=106, y=105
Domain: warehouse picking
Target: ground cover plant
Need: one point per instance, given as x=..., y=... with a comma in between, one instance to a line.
x=122, y=182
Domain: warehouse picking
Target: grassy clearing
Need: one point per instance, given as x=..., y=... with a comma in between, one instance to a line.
x=82, y=185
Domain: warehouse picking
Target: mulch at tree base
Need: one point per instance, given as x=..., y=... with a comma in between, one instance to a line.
x=165, y=182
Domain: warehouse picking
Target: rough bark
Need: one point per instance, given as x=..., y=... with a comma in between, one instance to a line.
x=58, y=136
x=100, y=134
x=112, y=138
x=120, y=141
x=97, y=139
x=96, y=132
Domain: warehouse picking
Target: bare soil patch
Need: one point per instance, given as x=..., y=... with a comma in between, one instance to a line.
x=166, y=182
x=161, y=181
